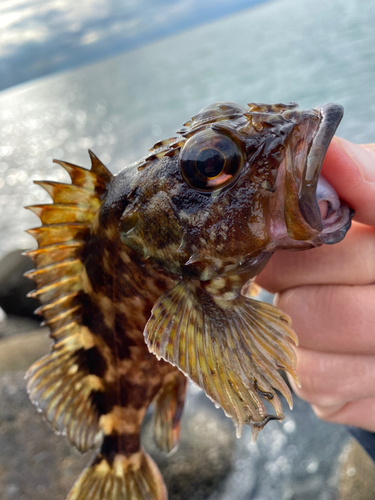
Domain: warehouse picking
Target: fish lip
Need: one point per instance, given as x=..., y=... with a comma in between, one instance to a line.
x=330, y=118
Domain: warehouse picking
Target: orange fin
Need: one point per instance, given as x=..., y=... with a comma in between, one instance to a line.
x=134, y=477
x=168, y=406
x=232, y=349
x=61, y=383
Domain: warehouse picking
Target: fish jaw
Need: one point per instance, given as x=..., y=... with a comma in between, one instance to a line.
x=298, y=222
x=331, y=115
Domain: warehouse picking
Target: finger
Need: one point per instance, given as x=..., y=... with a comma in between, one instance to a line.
x=370, y=147
x=332, y=318
x=349, y=262
x=331, y=380
x=359, y=413
x=350, y=169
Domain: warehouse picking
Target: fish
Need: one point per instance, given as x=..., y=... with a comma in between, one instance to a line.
x=146, y=281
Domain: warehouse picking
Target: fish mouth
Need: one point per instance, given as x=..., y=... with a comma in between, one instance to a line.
x=301, y=188
x=314, y=189
x=331, y=115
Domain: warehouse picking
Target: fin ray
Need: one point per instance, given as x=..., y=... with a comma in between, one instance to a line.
x=56, y=252
x=46, y=377
x=61, y=384
x=48, y=234
x=62, y=212
x=169, y=403
x=57, y=288
x=70, y=194
x=133, y=477
x=46, y=274
x=232, y=349
x=85, y=178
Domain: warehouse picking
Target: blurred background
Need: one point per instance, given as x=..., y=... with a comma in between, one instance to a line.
x=116, y=76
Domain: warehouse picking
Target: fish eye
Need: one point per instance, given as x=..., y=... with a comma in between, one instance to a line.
x=210, y=160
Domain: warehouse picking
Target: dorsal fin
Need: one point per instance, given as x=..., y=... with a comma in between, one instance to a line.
x=60, y=384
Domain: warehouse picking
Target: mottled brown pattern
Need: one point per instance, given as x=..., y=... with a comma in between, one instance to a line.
x=117, y=305
x=164, y=253
x=96, y=296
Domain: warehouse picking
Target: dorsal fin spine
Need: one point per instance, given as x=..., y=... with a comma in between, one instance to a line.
x=60, y=384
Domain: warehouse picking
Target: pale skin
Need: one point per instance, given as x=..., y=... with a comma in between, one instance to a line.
x=329, y=292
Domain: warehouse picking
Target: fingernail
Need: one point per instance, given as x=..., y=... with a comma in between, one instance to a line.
x=363, y=158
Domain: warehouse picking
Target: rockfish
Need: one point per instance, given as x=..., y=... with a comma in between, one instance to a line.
x=145, y=280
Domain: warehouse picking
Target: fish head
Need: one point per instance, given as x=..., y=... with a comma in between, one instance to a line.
x=235, y=185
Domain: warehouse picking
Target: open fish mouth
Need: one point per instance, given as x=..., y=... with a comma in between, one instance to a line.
x=301, y=187
x=337, y=219
x=331, y=115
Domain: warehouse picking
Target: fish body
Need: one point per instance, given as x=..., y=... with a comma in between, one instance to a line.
x=146, y=277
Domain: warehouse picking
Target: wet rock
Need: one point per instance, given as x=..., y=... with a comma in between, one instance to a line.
x=357, y=476
x=17, y=325
x=18, y=352
x=14, y=286
x=35, y=464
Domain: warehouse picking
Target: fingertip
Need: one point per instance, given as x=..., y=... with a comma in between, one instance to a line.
x=350, y=169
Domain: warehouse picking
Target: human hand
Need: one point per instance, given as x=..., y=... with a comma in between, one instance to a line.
x=329, y=292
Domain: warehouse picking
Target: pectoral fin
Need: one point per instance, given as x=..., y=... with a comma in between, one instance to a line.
x=232, y=349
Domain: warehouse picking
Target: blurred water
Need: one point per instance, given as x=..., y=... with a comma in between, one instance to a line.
x=38, y=37
x=310, y=51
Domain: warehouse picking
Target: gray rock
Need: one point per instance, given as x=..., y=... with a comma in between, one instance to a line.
x=14, y=286
x=35, y=464
x=357, y=474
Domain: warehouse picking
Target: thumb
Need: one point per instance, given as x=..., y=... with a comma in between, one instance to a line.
x=350, y=169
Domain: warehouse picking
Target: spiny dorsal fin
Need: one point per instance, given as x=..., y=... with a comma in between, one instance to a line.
x=99, y=169
x=60, y=384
